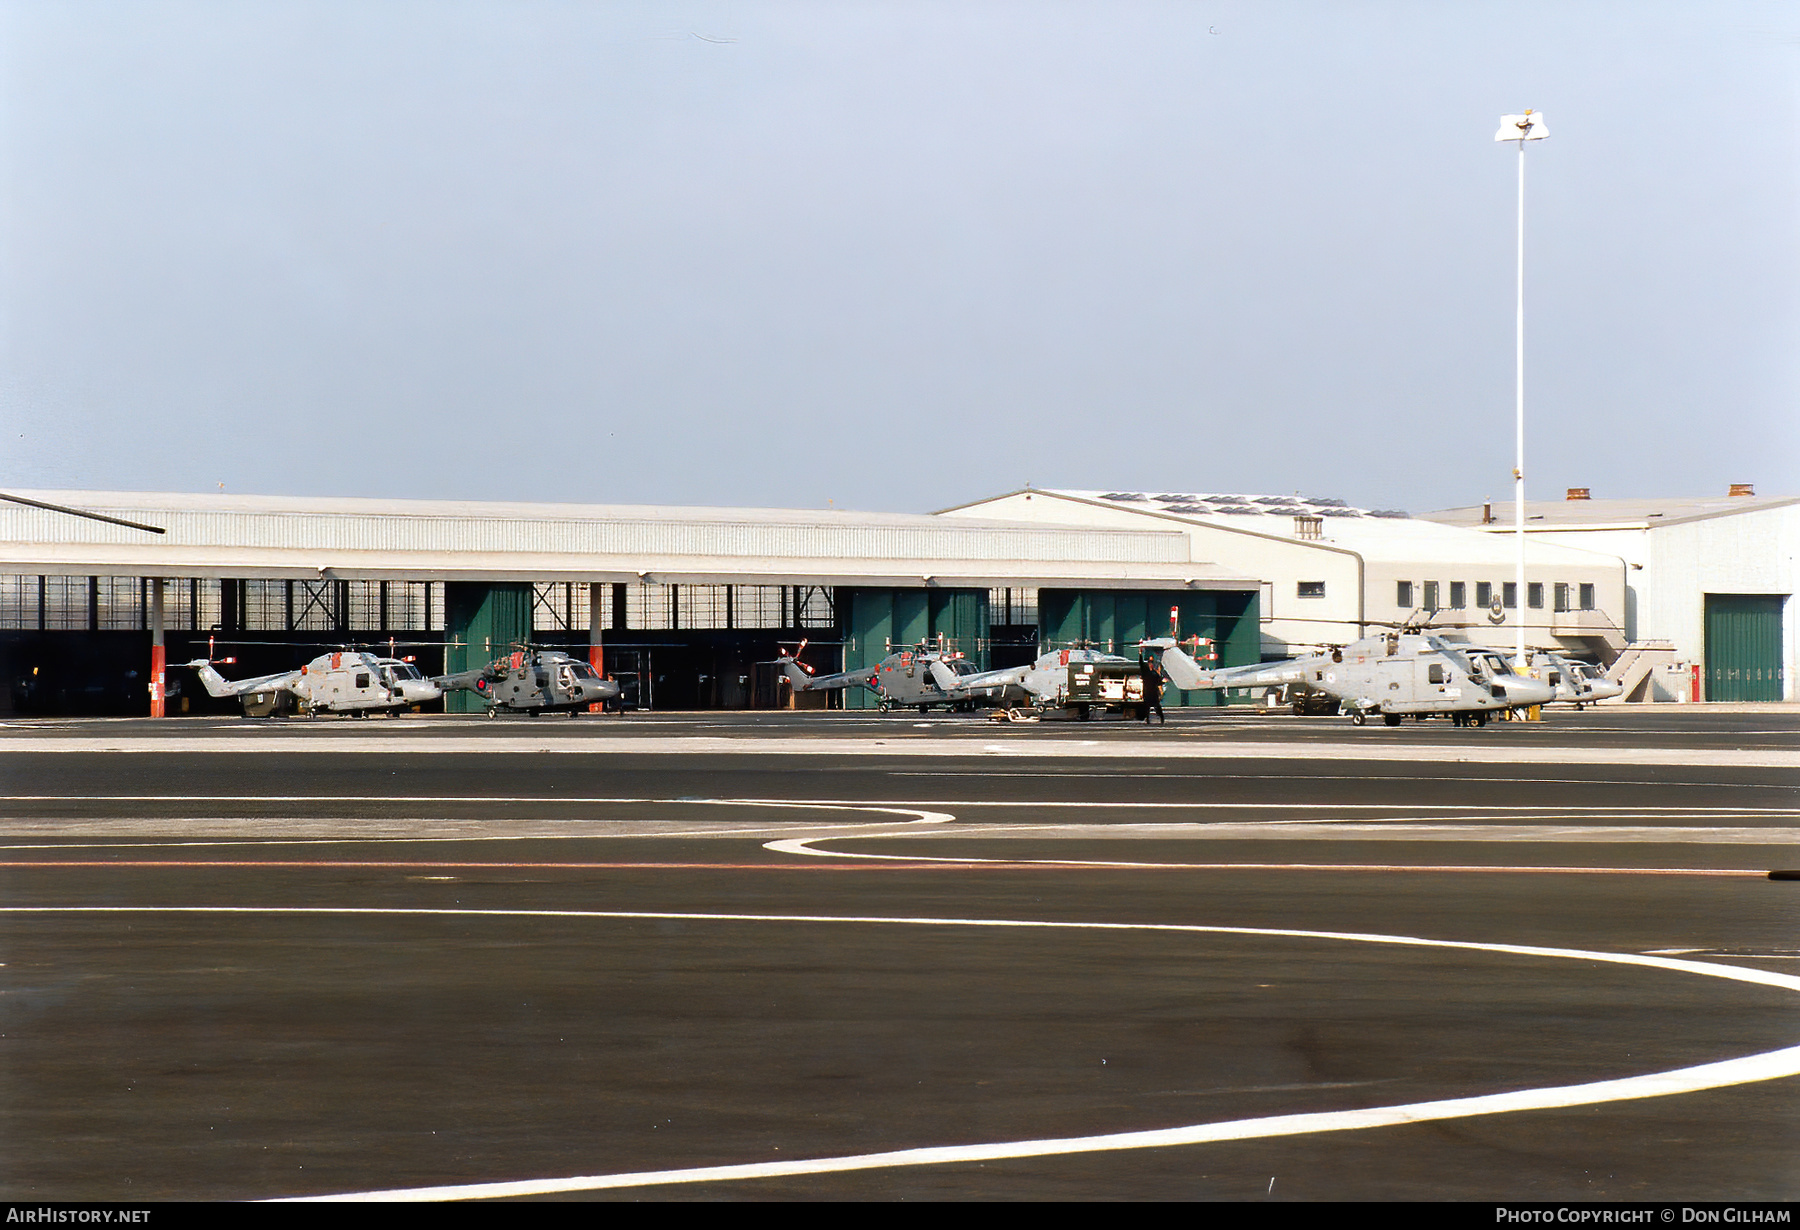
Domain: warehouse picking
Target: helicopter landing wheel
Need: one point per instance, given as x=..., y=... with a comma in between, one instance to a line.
x=1391, y=719
x=1480, y=719
x=493, y=711
x=1357, y=718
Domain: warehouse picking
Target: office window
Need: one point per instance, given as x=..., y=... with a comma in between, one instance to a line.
x=1509, y=595
x=1310, y=589
x=1431, y=595
x=1534, y=595
x=1587, y=597
x=1484, y=593
x=1562, y=596
x=1459, y=595
x=1403, y=595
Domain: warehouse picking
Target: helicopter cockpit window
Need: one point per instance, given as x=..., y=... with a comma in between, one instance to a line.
x=582, y=670
x=362, y=679
x=963, y=666
x=1435, y=672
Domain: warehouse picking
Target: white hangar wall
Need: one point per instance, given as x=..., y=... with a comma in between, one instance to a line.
x=1681, y=551
x=1320, y=589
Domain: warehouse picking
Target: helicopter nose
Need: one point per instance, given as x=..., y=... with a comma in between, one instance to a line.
x=1522, y=691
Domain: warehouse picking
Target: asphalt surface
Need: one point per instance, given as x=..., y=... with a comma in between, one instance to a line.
x=763, y=957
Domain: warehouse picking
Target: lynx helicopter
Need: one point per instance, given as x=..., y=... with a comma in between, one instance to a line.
x=921, y=677
x=531, y=680
x=1396, y=674
x=1079, y=680
x=345, y=681
x=1576, y=683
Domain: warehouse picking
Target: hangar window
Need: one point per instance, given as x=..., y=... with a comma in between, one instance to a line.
x=1459, y=595
x=118, y=603
x=1587, y=597
x=18, y=602
x=1509, y=595
x=1403, y=595
x=1484, y=593
x=1431, y=595
x=1534, y=595
x=1562, y=596
x=1013, y=607
x=65, y=602
x=1310, y=589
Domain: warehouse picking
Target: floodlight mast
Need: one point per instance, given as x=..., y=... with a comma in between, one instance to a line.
x=1520, y=128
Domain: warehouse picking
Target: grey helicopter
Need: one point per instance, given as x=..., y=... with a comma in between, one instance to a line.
x=1576, y=683
x=922, y=677
x=1080, y=681
x=532, y=680
x=352, y=681
x=1400, y=673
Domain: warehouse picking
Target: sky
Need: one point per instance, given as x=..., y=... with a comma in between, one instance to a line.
x=895, y=256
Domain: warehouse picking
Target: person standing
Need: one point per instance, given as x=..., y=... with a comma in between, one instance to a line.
x=1152, y=678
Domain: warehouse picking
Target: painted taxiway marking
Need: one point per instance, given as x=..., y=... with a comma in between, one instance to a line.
x=883, y=862
x=908, y=805
x=1765, y=1066
x=1370, y=749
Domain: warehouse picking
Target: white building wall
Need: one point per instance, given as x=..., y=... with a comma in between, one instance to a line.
x=1361, y=582
x=1748, y=553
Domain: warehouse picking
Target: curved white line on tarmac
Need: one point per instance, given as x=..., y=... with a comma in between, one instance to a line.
x=1768, y=1065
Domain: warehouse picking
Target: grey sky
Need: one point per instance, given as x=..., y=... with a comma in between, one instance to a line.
x=894, y=255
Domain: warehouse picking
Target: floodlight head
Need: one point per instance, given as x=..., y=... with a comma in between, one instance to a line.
x=1527, y=127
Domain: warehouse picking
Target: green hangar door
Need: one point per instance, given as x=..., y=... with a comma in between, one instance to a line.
x=878, y=621
x=1743, y=646
x=1116, y=620
x=482, y=620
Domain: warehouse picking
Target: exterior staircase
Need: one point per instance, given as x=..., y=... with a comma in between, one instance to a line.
x=1631, y=670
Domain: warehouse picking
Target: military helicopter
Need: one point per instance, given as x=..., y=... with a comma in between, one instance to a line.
x=344, y=681
x=1080, y=680
x=922, y=677
x=1395, y=674
x=1576, y=683
x=531, y=681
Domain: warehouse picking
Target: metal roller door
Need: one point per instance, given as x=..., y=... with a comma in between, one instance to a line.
x=1743, y=646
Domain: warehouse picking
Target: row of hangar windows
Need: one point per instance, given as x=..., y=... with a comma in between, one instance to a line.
x=76, y=603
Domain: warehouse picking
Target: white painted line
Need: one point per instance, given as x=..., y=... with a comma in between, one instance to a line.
x=1769, y=1065
x=925, y=746
x=901, y=804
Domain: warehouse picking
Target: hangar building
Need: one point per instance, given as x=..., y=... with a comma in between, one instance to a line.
x=685, y=606
x=1328, y=571
x=1711, y=581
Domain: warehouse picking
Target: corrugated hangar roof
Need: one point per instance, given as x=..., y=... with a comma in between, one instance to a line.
x=1378, y=535
x=289, y=536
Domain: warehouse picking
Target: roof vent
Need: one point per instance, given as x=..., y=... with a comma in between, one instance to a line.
x=1309, y=527
x=1743, y=489
x=1579, y=493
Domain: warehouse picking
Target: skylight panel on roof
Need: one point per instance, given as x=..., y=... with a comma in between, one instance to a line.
x=1189, y=510
x=1395, y=514
x=1123, y=496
